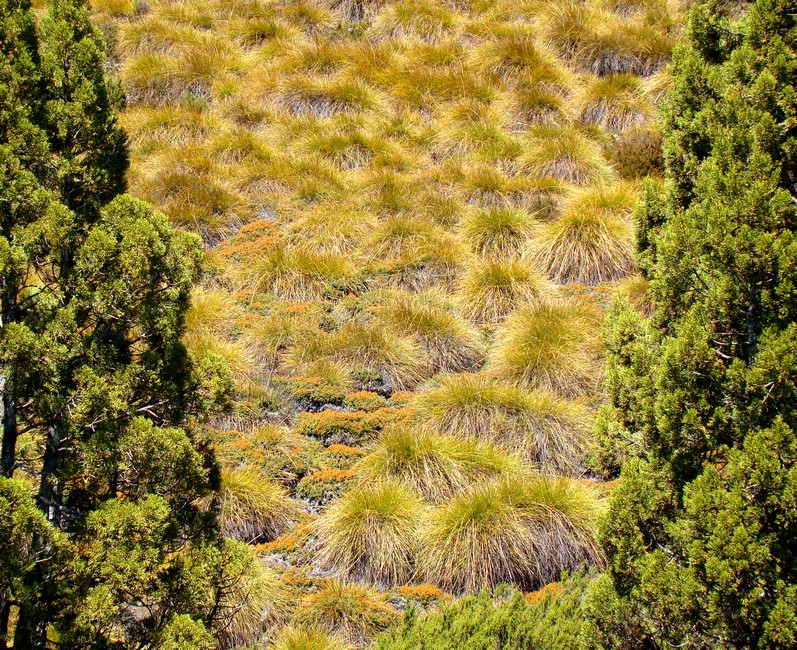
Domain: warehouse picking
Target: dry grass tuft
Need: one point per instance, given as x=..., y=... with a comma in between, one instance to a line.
x=523, y=531
x=565, y=153
x=491, y=289
x=613, y=102
x=497, y=232
x=551, y=433
x=253, y=508
x=553, y=346
x=592, y=241
x=370, y=533
x=306, y=638
x=449, y=343
x=436, y=465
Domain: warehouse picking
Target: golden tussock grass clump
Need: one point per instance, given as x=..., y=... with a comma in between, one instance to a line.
x=253, y=508
x=378, y=355
x=515, y=55
x=256, y=31
x=292, y=273
x=186, y=184
x=491, y=185
x=435, y=73
x=152, y=127
x=313, y=16
x=353, y=612
x=449, y=343
x=491, y=289
x=473, y=126
x=437, y=466
x=601, y=42
x=426, y=20
x=307, y=638
x=211, y=310
x=208, y=331
x=550, y=432
x=331, y=229
x=500, y=233
x=535, y=104
x=592, y=241
x=413, y=253
x=188, y=68
x=325, y=96
x=351, y=149
x=519, y=530
x=315, y=57
x=375, y=357
x=565, y=153
x=270, y=337
x=613, y=102
x=235, y=145
x=551, y=346
x=370, y=532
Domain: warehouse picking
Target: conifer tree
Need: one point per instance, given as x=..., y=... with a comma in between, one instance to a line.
x=702, y=530
x=95, y=285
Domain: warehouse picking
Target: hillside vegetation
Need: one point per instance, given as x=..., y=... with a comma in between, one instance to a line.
x=416, y=213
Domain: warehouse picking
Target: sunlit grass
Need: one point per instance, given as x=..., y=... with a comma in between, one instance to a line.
x=518, y=530
x=552, y=433
x=449, y=343
x=491, y=289
x=550, y=345
x=436, y=465
x=592, y=240
x=370, y=532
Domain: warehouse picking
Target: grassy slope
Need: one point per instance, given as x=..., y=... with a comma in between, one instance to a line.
x=390, y=191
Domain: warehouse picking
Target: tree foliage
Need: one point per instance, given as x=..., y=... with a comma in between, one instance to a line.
x=700, y=536
x=101, y=537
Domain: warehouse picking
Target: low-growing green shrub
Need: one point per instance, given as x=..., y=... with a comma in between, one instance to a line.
x=502, y=620
x=347, y=427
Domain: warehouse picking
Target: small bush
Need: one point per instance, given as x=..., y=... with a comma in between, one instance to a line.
x=353, y=612
x=323, y=486
x=347, y=427
x=636, y=153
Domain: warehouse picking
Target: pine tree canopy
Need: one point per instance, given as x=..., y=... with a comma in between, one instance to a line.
x=701, y=534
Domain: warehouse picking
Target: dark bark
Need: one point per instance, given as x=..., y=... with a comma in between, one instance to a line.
x=8, y=406
x=49, y=498
x=5, y=613
x=30, y=634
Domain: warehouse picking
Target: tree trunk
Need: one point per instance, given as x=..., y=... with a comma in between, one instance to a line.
x=29, y=634
x=5, y=613
x=8, y=413
x=8, y=406
x=49, y=499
